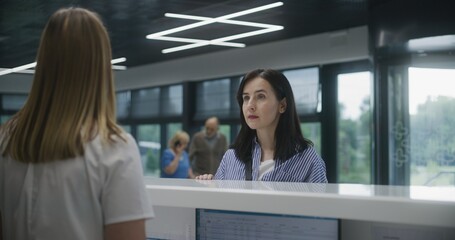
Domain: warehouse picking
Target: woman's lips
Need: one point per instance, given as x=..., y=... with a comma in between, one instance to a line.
x=252, y=117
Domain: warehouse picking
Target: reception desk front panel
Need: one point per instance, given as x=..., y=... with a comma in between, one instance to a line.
x=430, y=208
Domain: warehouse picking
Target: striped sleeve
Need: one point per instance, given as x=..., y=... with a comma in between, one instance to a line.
x=306, y=166
x=220, y=172
x=231, y=168
x=317, y=168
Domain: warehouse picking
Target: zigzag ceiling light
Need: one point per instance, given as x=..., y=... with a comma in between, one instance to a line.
x=223, y=41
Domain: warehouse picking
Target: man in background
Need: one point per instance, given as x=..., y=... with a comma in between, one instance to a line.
x=207, y=148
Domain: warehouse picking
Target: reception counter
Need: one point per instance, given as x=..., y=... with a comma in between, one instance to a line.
x=364, y=211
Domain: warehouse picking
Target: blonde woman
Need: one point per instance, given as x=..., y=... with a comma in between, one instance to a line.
x=67, y=170
x=175, y=162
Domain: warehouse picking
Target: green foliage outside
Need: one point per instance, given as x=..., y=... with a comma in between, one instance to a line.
x=226, y=130
x=150, y=155
x=152, y=163
x=354, y=146
x=172, y=128
x=312, y=131
x=433, y=143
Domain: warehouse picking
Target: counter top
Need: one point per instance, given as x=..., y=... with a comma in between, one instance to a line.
x=431, y=206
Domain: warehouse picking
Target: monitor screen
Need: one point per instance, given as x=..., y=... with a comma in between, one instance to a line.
x=221, y=224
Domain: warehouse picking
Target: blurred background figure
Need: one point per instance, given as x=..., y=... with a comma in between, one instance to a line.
x=175, y=162
x=207, y=148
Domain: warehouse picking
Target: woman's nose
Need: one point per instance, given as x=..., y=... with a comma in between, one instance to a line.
x=251, y=105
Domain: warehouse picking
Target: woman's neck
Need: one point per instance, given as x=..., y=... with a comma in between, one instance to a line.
x=267, y=142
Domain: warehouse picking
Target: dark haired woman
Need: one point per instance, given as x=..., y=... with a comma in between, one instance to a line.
x=270, y=145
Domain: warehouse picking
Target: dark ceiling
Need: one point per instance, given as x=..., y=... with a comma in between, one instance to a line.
x=128, y=22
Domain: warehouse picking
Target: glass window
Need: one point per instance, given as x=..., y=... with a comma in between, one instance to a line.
x=305, y=86
x=172, y=100
x=4, y=118
x=146, y=103
x=13, y=101
x=226, y=130
x=127, y=128
x=148, y=138
x=172, y=128
x=312, y=131
x=431, y=127
x=354, y=128
x=235, y=83
x=123, y=104
x=213, y=99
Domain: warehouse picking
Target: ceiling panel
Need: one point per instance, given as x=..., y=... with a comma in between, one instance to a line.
x=128, y=22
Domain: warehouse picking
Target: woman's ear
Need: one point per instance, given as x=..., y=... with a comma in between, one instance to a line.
x=283, y=105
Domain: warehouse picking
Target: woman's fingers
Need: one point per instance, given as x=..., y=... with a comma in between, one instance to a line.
x=205, y=177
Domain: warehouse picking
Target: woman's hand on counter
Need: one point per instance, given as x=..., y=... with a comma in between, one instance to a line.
x=205, y=177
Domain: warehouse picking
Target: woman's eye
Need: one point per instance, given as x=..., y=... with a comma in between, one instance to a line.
x=261, y=96
x=245, y=98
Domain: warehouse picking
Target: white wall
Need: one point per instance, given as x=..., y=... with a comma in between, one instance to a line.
x=340, y=46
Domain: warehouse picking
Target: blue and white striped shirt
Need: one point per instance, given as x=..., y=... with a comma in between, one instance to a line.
x=306, y=166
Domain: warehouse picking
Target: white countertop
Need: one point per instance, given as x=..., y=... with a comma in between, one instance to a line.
x=432, y=206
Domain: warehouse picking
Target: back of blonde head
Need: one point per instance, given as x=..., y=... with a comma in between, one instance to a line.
x=72, y=97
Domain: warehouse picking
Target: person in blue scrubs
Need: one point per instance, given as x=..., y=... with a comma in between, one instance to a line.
x=175, y=162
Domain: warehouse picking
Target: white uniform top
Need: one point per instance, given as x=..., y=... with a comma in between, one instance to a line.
x=73, y=198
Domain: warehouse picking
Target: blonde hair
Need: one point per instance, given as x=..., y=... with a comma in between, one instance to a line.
x=179, y=136
x=72, y=99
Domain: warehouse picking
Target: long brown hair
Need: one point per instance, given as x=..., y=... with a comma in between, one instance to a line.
x=72, y=98
x=289, y=139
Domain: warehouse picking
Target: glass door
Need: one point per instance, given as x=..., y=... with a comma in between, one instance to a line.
x=421, y=125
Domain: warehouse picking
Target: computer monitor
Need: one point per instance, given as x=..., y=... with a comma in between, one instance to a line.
x=221, y=224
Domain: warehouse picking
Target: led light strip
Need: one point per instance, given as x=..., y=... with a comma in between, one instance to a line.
x=215, y=41
x=17, y=69
x=227, y=21
x=23, y=68
x=207, y=20
x=118, y=60
x=190, y=40
x=26, y=71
